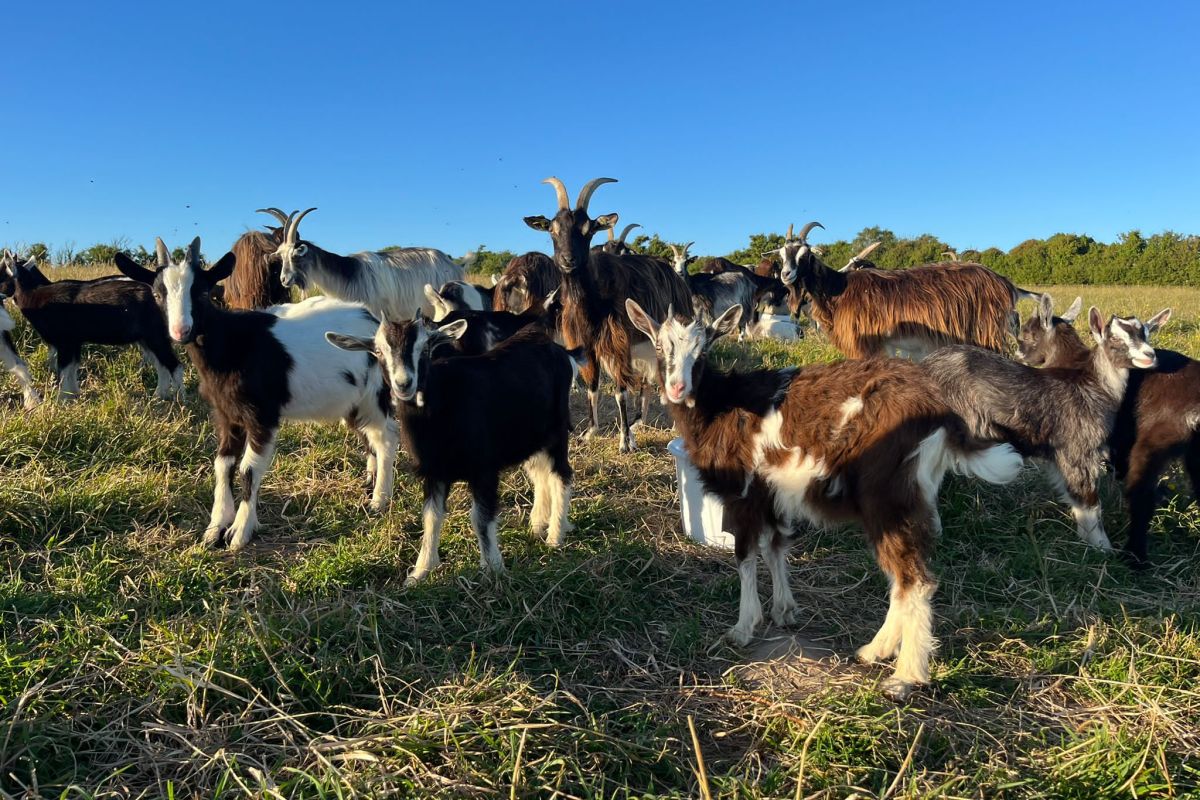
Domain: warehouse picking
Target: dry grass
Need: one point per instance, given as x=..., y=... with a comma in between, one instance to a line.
x=135, y=664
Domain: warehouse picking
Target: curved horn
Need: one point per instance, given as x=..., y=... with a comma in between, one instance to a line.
x=293, y=231
x=274, y=212
x=866, y=251
x=807, y=229
x=163, y=255
x=625, y=232
x=560, y=190
x=585, y=194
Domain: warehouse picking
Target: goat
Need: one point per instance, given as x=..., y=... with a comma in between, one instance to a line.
x=869, y=312
x=453, y=437
x=255, y=280
x=460, y=296
x=387, y=282
x=9, y=357
x=595, y=286
x=1158, y=419
x=489, y=328
x=258, y=368
x=111, y=310
x=1060, y=416
x=714, y=293
x=769, y=291
x=616, y=246
x=526, y=282
x=853, y=441
x=860, y=261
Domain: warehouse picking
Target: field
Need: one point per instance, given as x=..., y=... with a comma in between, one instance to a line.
x=134, y=663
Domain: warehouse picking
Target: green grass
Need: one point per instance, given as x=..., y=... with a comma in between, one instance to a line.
x=133, y=663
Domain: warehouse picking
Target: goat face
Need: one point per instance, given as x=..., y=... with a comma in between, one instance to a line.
x=512, y=294
x=295, y=260
x=181, y=287
x=1124, y=339
x=572, y=230
x=404, y=349
x=1036, y=340
x=681, y=346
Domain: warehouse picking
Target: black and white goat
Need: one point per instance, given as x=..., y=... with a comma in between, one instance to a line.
x=460, y=296
x=852, y=441
x=258, y=368
x=489, y=328
x=388, y=282
x=454, y=436
x=715, y=293
x=112, y=310
x=616, y=245
x=1158, y=420
x=10, y=359
x=1060, y=416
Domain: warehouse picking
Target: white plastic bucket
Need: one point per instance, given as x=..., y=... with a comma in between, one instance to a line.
x=703, y=514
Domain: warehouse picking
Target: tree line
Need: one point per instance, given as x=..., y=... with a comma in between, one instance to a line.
x=1166, y=258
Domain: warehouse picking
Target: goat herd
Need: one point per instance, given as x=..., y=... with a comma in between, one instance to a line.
x=477, y=380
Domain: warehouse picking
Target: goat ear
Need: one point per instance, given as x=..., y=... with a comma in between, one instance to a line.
x=346, y=342
x=1071, y=313
x=606, y=221
x=726, y=323
x=538, y=223
x=131, y=269
x=641, y=320
x=1096, y=324
x=1045, y=311
x=495, y=279
x=454, y=330
x=432, y=296
x=1158, y=320
x=193, y=253
x=222, y=269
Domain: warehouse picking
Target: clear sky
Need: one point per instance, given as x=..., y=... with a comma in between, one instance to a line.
x=434, y=123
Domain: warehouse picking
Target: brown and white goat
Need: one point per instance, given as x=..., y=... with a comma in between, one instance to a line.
x=871, y=312
x=1061, y=416
x=853, y=441
x=595, y=286
x=255, y=280
x=1158, y=419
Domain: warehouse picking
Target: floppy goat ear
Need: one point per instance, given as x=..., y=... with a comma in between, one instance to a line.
x=222, y=269
x=1071, y=313
x=1158, y=320
x=726, y=323
x=641, y=320
x=131, y=269
x=347, y=342
x=454, y=330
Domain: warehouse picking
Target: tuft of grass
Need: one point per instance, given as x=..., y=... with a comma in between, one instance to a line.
x=133, y=663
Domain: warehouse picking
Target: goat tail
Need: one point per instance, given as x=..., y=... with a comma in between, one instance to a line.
x=989, y=461
x=579, y=360
x=1025, y=294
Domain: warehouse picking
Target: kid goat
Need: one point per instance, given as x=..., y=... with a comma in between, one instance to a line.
x=258, y=368
x=1157, y=422
x=863, y=441
x=1061, y=416
x=69, y=314
x=9, y=357
x=453, y=436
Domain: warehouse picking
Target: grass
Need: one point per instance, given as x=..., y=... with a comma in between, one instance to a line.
x=133, y=663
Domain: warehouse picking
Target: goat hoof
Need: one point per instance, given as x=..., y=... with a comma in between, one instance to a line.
x=378, y=507
x=897, y=690
x=214, y=538
x=588, y=434
x=739, y=636
x=239, y=540
x=869, y=654
x=785, y=616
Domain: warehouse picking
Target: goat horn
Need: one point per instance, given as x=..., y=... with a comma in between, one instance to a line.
x=612, y=235
x=564, y=202
x=788, y=238
x=274, y=212
x=293, y=232
x=866, y=251
x=687, y=247
x=807, y=229
x=625, y=232
x=163, y=255
x=585, y=194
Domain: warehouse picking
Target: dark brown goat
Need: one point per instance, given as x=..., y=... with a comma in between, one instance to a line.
x=1158, y=419
x=871, y=312
x=595, y=288
x=255, y=280
x=527, y=281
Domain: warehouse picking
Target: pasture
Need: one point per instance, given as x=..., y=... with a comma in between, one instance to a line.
x=134, y=663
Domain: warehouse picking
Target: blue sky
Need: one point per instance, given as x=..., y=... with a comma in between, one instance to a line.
x=434, y=123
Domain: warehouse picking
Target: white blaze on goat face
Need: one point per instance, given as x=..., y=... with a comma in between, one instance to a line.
x=681, y=345
x=1132, y=333
x=177, y=280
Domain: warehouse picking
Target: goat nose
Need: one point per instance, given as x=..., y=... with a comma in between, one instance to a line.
x=675, y=388
x=180, y=332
